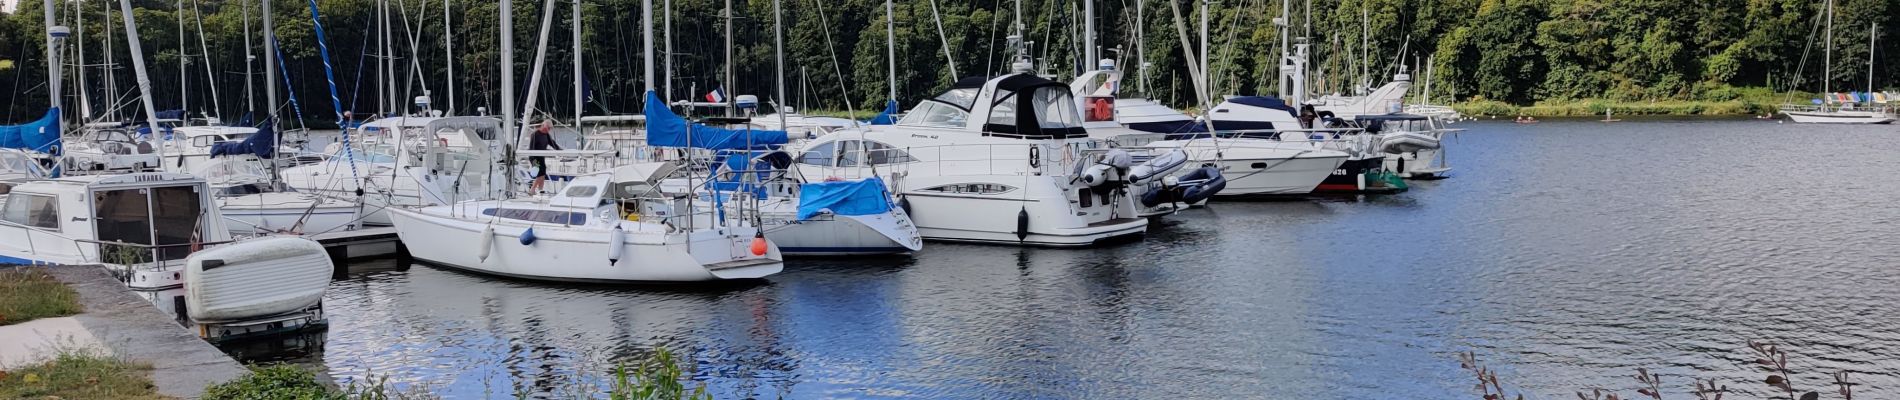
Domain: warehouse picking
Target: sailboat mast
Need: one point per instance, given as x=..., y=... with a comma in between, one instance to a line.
x=1872, y=31
x=580, y=87
x=448, y=57
x=1141, y=49
x=270, y=82
x=646, y=35
x=890, y=43
x=778, y=50
x=948, y=59
x=540, y=60
x=1207, y=77
x=668, y=96
x=507, y=34
x=1827, y=74
x=1088, y=34
x=54, y=33
x=250, y=104
x=138, y=68
x=79, y=32
x=204, y=49
x=726, y=86
x=396, y=102
x=184, y=83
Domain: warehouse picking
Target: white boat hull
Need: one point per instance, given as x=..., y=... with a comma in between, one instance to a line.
x=1266, y=177
x=279, y=212
x=833, y=235
x=1839, y=117
x=582, y=255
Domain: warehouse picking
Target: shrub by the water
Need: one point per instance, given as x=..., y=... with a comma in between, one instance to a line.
x=658, y=377
x=1769, y=358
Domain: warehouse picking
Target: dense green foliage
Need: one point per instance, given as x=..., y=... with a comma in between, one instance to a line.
x=1515, y=51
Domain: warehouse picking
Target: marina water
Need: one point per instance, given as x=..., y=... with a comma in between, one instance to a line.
x=1564, y=254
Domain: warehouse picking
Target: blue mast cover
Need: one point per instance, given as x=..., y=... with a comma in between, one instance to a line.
x=888, y=116
x=665, y=129
x=263, y=144
x=41, y=135
x=860, y=197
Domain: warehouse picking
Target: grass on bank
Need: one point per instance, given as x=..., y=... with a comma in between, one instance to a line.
x=28, y=293
x=79, y=375
x=653, y=378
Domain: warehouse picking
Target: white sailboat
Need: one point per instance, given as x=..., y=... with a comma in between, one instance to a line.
x=1834, y=108
x=617, y=226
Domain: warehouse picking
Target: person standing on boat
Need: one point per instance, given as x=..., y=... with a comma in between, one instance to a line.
x=541, y=140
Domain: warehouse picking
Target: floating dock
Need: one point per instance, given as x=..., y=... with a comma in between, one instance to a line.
x=367, y=242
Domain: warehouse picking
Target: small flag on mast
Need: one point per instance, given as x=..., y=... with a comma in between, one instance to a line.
x=717, y=95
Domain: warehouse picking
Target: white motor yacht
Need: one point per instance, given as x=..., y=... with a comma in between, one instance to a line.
x=1247, y=152
x=148, y=229
x=610, y=226
x=1003, y=160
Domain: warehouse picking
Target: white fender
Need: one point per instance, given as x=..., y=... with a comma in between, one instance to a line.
x=488, y=241
x=616, y=245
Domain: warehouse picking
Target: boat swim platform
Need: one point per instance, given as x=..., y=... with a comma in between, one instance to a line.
x=367, y=242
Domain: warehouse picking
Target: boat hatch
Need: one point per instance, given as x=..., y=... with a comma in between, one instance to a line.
x=542, y=216
x=168, y=219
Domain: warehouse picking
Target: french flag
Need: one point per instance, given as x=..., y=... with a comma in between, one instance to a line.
x=717, y=95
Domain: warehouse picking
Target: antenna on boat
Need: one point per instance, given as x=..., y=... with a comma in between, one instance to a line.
x=448, y=57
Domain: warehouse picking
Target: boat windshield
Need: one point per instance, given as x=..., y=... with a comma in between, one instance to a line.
x=935, y=114
x=963, y=97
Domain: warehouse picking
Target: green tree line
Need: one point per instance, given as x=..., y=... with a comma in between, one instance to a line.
x=1516, y=51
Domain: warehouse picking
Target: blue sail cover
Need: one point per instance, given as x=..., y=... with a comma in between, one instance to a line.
x=41, y=135
x=888, y=116
x=263, y=144
x=860, y=197
x=665, y=129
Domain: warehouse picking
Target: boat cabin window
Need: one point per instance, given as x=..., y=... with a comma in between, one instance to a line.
x=964, y=98
x=931, y=113
x=849, y=153
x=542, y=216
x=38, y=211
x=819, y=155
x=880, y=154
x=245, y=189
x=1004, y=112
x=167, y=218
x=1055, y=109
x=972, y=188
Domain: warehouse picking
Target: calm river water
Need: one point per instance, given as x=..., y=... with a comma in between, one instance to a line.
x=1565, y=254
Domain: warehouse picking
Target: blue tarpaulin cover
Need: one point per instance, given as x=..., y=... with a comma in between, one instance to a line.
x=888, y=116
x=263, y=144
x=41, y=135
x=665, y=129
x=860, y=197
